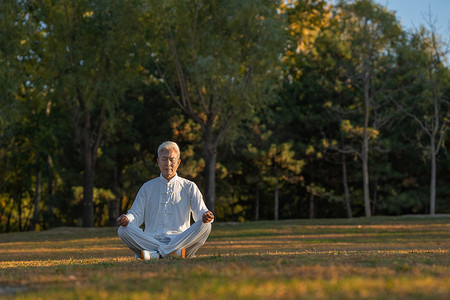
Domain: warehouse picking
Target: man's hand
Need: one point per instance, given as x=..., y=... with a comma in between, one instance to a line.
x=207, y=217
x=123, y=221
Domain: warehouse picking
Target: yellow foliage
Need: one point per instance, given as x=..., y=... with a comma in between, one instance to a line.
x=221, y=171
x=307, y=36
x=316, y=190
x=100, y=195
x=88, y=14
x=99, y=152
x=328, y=104
x=184, y=129
x=310, y=150
x=357, y=131
x=203, y=116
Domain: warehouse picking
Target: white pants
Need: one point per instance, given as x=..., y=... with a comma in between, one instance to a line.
x=191, y=239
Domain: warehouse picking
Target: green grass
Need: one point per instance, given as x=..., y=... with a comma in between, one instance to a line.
x=363, y=258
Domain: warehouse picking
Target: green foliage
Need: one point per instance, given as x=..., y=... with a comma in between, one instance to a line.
x=210, y=53
x=276, y=91
x=219, y=61
x=14, y=48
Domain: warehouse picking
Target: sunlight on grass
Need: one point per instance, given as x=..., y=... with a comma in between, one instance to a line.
x=58, y=262
x=391, y=258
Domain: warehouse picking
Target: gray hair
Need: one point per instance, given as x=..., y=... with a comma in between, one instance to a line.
x=169, y=145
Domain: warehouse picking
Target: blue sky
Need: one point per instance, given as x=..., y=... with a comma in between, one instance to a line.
x=412, y=13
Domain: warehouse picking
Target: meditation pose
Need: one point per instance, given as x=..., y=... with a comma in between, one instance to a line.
x=164, y=205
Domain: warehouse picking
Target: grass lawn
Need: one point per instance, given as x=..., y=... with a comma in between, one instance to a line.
x=363, y=258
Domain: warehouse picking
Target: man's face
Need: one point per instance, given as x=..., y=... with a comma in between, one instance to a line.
x=168, y=162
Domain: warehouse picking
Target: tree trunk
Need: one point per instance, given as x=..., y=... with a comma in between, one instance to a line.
x=433, y=176
x=210, y=156
x=276, y=202
x=99, y=214
x=257, y=204
x=312, y=209
x=89, y=138
x=2, y=211
x=113, y=205
x=365, y=169
x=37, y=199
x=346, y=189
x=88, y=185
x=433, y=152
x=375, y=195
x=50, y=193
x=19, y=208
x=8, y=221
x=365, y=149
x=89, y=141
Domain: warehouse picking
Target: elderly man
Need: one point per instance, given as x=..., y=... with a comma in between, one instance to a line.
x=164, y=205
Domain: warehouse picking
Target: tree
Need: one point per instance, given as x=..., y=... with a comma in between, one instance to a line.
x=314, y=86
x=129, y=148
x=371, y=33
x=13, y=47
x=218, y=60
x=277, y=164
x=424, y=97
x=21, y=110
x=91, y=46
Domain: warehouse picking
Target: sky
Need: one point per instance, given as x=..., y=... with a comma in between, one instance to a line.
x=413, y=13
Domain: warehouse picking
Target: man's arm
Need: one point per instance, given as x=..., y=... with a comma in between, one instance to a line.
x=135, y=214
x=198, y=207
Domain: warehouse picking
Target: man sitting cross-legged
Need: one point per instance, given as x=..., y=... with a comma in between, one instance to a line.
x=165, y=205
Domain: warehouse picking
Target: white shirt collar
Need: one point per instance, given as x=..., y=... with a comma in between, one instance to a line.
x=164, y=180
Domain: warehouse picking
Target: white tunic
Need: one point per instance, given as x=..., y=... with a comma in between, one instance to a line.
x=166, y=206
